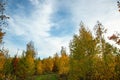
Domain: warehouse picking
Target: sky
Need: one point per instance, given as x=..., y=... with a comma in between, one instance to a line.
x=51, y=24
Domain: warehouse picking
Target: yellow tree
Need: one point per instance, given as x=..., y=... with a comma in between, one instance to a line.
x=30, y=65
x=2, y=61
x=30, y=58
x=21, y=72
x=63, y=63
x=82, y=51
x=48, y=65
x=3, y=23
x=56, y=63
x=39, y=67
x=107, y=58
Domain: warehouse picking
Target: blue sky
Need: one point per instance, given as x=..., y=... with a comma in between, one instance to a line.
x=51, y=24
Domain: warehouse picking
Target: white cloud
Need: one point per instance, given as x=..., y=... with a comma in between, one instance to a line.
x=89, y=12
x=36, y=28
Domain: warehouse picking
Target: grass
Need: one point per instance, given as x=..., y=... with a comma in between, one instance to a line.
x=47, y=77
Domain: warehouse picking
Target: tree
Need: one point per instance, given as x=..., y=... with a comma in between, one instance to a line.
x=26, y=63
x=48, y=65
x=31, y=50
x=39, y=67
x=30, y=65
x=117, y=67
x=56, y=63
x=2, y=62
x=8, y=68
x=15, y=62
x=3, y=19
x=22, y=68
x=30, y=58
x=106, y=51
x=63, y=63
x=82, y=49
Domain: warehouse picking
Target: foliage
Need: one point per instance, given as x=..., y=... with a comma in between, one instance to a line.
x=39, y=67
x=82, y=50
x=48, y=65
x=47, y=77
x=56, y=63
x=63, y=63
x=21, y=72
x=91, y=58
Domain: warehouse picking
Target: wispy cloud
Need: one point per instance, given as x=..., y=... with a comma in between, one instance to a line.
x=52, y=23
x=36, y=28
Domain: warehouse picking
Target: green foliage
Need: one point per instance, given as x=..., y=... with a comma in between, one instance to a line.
x=82, y=51
x=47, y=77
x=22, y=69
x=56, y=63
x=8, y=68
x=30, y=65
x=92, y=58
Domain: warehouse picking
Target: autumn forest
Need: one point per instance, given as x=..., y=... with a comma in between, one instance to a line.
x=91, y=57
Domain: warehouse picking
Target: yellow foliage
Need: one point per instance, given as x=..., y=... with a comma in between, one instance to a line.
x=2, y=61
x=64, y=64
x=48, y=64
x=39, y=67
x=30, y=64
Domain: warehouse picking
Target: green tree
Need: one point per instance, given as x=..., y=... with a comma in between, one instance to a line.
x=3, y=24
x=26, y=63
x=106, y=51
x=117, y=67
x=82, y=50
x=56, y=63
x=8, y=68
x=22, y=68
